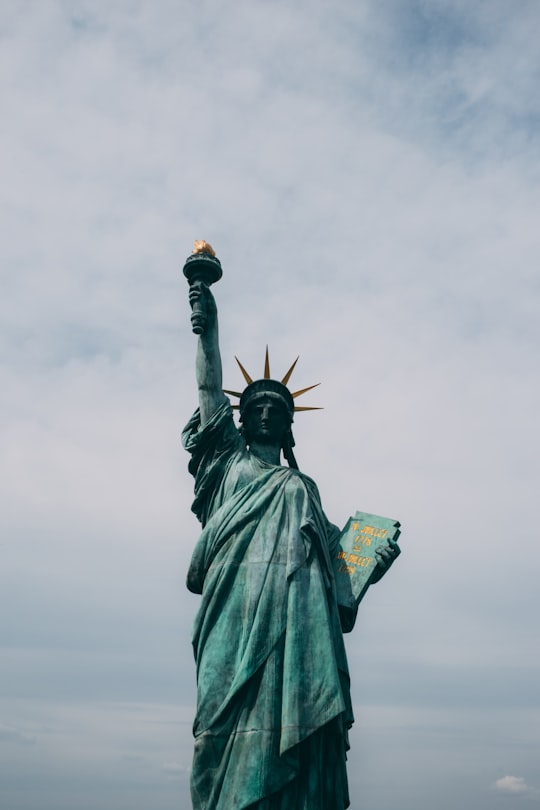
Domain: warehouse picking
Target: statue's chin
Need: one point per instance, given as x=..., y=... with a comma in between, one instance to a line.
x=266, y=437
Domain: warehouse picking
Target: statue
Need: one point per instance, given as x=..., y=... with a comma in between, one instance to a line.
x=273, y=695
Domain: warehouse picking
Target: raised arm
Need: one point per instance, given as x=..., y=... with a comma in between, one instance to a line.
x=208, y=362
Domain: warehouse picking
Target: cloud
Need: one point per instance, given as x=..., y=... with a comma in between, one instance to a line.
x=15, y=737
x=511, y=784
x=175, y=770
x=369, y=176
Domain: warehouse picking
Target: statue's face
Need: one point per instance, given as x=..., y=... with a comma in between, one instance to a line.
x=266, y=422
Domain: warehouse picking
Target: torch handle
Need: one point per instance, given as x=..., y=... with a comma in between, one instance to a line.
x=198, y=318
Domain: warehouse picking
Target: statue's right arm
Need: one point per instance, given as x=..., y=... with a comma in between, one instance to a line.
x=208, y=363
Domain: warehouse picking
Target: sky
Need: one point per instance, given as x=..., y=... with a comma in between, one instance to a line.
x=368, y=173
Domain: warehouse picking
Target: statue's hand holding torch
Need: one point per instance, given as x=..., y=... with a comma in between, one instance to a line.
x=202, y=269
x=203, y=307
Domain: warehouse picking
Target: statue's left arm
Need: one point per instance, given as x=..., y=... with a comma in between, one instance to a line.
x=385, y=556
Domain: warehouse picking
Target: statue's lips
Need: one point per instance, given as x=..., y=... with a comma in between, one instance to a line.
x=264, y=430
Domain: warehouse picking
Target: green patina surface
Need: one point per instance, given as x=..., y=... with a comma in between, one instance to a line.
x=272, y=676
x=273, y=694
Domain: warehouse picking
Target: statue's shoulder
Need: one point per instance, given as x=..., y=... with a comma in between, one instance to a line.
x=308, y=482
x=215, y=441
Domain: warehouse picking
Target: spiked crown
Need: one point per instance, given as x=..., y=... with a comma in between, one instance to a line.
x=267, y=387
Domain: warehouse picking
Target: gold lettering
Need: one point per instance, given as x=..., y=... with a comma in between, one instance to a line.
x=346, y=569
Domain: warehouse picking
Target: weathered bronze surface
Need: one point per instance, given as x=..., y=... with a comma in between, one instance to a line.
x=273, y=697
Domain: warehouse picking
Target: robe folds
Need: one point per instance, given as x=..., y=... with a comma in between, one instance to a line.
x=273, y=697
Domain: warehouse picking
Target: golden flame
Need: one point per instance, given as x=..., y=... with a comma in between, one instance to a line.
x=200, y=246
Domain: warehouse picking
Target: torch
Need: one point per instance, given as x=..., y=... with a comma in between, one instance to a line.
x=202, y=265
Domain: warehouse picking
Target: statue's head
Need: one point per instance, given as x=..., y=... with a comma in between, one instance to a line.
x=270, y=390
x=266, y=414
x=271, y=402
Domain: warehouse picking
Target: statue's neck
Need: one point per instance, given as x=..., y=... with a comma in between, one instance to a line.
x=271, y=453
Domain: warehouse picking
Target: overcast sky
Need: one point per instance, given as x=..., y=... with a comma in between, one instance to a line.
x=368, y=173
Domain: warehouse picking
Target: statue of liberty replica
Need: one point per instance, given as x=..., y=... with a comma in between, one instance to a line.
x=273, y=688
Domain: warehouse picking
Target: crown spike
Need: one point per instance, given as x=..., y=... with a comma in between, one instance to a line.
x=247, y=378
x=267, y=376
x=303, y=390
x=287, y=376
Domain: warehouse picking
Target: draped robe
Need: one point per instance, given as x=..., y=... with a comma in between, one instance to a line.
x=273, y=698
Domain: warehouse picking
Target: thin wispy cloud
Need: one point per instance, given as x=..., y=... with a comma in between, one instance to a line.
x=514, y=785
